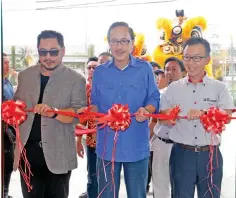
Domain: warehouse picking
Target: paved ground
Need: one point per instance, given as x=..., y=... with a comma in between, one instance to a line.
x=78, y=180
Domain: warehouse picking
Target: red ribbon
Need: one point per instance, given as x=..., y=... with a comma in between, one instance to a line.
x=214, y=120
x=13, y=113
x=118, y=118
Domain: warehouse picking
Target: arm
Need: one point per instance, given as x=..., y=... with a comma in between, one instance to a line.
x=152, y=99
x=94, y=96
x=225, y=101
x=151, y=126
x=165, y=108
x=153, y=94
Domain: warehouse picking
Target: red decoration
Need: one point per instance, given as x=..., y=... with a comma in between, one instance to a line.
x=118, y=118
x=214, y=120
x=13, y=113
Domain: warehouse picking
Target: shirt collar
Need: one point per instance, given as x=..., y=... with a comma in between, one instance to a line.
x=131, y=63
x=203, y=81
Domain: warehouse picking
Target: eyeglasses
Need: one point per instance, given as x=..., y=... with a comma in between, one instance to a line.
x=53, y=52
x=195, y=58
x=123, y=42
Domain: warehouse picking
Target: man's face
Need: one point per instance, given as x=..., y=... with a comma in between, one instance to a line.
x=173, y=71
x=161, y=81
x=91, y=65
x=6, y=65
x=50, y=53
x=195, y=68
x=103, y=59
x=120, y=43
x=160, y=77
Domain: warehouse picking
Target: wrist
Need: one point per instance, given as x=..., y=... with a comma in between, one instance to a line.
x=147, y=109
x=55, y=114
x=204, y=112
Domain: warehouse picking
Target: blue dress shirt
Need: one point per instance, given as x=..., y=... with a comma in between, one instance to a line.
x=135, y=86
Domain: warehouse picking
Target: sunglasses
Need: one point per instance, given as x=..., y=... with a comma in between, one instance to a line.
x=51, y=52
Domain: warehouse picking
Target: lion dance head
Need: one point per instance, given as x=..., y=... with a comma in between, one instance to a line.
x=175, y=33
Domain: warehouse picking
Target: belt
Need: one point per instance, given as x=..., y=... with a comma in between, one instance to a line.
x=167, y=141
x=195, y=148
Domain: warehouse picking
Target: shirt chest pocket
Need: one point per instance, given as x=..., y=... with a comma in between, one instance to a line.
x=106, y=92
x=136, y=93
x=134, y=87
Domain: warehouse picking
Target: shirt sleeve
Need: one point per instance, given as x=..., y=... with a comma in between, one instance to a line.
x=164, y=102
x=94, y=95
x=225, y=100
x=78, y=95
x=153, y=94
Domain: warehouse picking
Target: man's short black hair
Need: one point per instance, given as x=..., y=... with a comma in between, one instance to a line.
x=197, y=40
x=93, y=58
x=118, y=24
x=105, y=54
x=180, y=63
x=154, y=64
x=46, y=34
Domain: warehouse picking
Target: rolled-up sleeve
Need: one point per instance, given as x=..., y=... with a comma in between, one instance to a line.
x=153, y=94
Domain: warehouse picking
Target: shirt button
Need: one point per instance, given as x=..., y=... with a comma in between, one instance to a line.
x=195, y=102
x=195, y=125
x=195, y=137
x=119, y=97
x=193, y=91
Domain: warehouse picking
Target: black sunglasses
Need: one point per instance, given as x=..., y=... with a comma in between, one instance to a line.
x=51, y=52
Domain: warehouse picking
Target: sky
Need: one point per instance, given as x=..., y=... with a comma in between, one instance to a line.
x=82, y=26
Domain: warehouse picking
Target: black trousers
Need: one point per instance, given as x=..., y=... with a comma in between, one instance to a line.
x=45, y=184
x=8, y=168
x=149, y=170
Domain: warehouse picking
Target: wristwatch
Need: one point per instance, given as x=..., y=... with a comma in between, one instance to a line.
x=55, y=114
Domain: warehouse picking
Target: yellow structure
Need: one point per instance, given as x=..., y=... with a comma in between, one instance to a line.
x=175, y=33
x=140, y=49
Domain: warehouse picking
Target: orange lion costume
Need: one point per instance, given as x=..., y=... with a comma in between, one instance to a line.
x=175, y=34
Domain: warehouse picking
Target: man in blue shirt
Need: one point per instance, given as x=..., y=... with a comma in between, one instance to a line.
x=9, y=136
x=124, y=80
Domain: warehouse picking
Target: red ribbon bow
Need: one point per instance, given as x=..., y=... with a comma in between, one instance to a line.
x=214, y=120
x=13, y=112
x=118, y=118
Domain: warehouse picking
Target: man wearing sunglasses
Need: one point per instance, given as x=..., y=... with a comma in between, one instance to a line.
x=49, y=137
x=124, y=80
x=191, y=151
